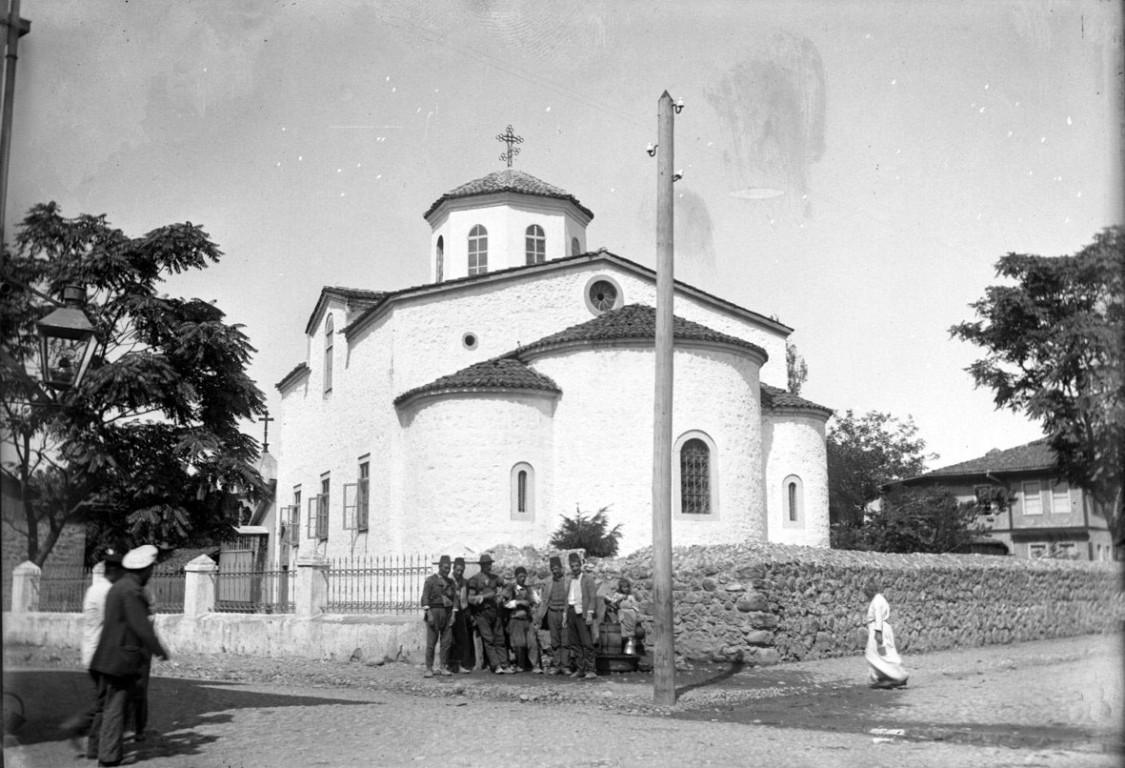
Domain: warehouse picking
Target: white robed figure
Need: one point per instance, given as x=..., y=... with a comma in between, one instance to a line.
x=885, y=665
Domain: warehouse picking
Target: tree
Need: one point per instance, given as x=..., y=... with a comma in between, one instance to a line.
x=865, y=453
x=919, y=520
x=147, y=448
x=1054, y=343
x=795, y=368
x=592, y=534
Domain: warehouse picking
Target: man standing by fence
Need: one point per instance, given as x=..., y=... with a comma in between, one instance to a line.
x=484, y=593
x=93, y=617
x=437, y=605
x=119, y=659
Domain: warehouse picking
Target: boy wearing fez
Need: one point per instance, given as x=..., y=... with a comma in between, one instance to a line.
x=581, y=605
x=520, y=600
x=484, y=593
x=437, y=605
x=551, y=616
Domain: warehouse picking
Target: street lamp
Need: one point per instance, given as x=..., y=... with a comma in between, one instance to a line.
x=66, y=341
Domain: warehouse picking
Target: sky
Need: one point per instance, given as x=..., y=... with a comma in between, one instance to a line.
x=914, y=143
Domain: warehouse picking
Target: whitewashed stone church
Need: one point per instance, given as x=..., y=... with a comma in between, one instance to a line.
x=516, y=386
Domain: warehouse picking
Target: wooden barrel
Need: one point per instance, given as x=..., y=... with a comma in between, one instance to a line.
x=611, y=637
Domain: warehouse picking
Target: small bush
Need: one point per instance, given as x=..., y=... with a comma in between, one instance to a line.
x=592, y=534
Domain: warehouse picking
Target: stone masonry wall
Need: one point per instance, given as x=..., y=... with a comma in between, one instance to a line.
x=767, y=603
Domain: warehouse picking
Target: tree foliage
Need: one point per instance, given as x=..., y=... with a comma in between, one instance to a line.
x=917, y=520
x=592, y=534
x=147, y=448
x=1054, y=342
x=864, y=453
x=796, y=370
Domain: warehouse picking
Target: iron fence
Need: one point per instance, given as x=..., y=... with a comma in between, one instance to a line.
x=386, y=584
x=240, y=587
x=62, y=591
x=167, y=587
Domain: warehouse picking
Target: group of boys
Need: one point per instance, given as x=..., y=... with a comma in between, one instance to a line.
x=508, y=617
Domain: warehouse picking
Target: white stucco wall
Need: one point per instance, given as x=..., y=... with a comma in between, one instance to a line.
x=604, y=431
x=506, y=217
x=794, y=445
x=419, y=339
x=458, y=452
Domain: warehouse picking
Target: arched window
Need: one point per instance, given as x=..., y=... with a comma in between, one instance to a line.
x=328, y=341
x=695, y=478
x=793, y=497
x=523, y=491
x=575, y=248
x=478, y=250
x=440, y=258
x=535, y=244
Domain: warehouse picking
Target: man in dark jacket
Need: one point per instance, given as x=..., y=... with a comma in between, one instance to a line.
x=127, y=634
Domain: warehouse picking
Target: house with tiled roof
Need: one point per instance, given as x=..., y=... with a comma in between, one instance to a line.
x=516, y=385
x=1044, y=515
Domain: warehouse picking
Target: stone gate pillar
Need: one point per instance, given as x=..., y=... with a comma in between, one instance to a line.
x=25, y=587
x=312, y=586
x=200, y=578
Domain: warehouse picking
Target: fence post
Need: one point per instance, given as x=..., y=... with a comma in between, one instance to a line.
x=199, y=587
x=312, y=586
x=25, y=587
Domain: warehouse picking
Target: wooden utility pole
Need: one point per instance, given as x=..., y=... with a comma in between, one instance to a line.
x=16, y=28
x=665, y=659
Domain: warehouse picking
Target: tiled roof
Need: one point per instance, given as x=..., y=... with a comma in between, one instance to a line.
x=502, y=373
x=634, y=322
x=356, y=300
x=1032, y=456
x=508, y=181
x=774, y=397
x=358, y=295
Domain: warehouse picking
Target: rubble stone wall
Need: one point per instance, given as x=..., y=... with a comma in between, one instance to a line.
x=766, y=603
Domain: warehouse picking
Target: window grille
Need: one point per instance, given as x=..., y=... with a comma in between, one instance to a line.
x=695, y=478
x=478, y=250
x=535, y=245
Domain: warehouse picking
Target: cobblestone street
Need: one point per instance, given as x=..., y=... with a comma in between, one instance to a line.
x=1051, y=703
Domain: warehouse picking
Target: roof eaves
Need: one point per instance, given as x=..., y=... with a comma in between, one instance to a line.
x=301, y=369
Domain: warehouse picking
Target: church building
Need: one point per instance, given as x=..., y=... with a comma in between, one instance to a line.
x=516, y=387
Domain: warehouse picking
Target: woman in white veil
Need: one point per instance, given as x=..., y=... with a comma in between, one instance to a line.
x=885, y=665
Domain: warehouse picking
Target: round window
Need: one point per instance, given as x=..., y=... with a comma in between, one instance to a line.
x=603, y=295
x=470, y=341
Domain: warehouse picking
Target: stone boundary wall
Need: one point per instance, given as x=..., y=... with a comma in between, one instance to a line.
x=767, y=603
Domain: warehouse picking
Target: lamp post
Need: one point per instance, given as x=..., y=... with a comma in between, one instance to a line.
x=66, y=341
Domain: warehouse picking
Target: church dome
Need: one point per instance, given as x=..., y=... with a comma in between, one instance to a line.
x=508, y=181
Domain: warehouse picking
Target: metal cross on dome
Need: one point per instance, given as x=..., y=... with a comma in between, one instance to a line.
x=509, y=138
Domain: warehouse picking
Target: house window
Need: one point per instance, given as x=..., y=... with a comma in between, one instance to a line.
x=1066, y=550
x=364, y=496
x=695, y=478
x=318, y=511
x=1036, y=550
x=440, y=258
x=523, y=491
x=328, y=342
x=1060, y=498
x=1032, y=503
x=535, y=245
x=478, y=250
x=575, y=248
x=602, y=294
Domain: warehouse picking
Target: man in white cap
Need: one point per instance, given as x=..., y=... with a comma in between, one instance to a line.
x=119, y=660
